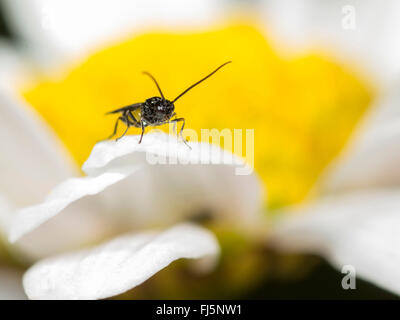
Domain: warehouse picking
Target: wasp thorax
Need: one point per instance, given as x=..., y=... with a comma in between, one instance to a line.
x=156, y=110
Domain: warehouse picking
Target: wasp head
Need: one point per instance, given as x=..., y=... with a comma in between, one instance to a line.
x=157, y=110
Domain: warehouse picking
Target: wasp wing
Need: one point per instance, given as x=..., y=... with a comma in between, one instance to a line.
x=131, y=107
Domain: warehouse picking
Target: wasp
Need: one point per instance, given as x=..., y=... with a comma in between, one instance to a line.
x=154, y=111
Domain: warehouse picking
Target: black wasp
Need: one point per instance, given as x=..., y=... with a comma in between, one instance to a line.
x=154, y=111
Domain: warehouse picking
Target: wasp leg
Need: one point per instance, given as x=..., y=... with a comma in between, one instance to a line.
x=137, y=124
x=128, y=124
x=174, y=130
x=180, y=131
x=127, y=128
x=141, y=136
x=174, y=123
x=115, y=129
x=174, y=127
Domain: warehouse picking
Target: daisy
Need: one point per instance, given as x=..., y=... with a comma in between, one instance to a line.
x=98, y=234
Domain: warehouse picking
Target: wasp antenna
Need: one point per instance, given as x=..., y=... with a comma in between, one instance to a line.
x=155, y=81
x=200, y=81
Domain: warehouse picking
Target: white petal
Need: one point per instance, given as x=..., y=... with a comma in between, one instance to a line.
x=155, y=194
x=64, y=194
x=360, y=229
x=11, y=285
x=116, y=266
x=156, y=146
x=372, y=157
x=82, y=225
x=32, y=159
x=62, y=28
x=6, y=215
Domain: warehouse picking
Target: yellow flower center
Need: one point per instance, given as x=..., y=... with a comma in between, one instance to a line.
x=303, y=110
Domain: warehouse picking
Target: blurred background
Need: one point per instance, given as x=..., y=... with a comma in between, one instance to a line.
x=293, y=27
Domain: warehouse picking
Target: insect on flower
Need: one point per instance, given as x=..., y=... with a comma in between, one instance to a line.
x=154, y=111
